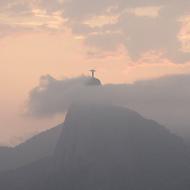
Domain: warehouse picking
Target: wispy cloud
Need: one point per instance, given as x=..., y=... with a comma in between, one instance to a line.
x=29, y=15
x=146, y=11
x=143, y=26
x=139, y=26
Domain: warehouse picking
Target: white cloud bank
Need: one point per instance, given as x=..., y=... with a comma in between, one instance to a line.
x=165, y=100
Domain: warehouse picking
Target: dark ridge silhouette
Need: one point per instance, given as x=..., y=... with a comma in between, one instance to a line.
x=105, y=147
x=36, y=148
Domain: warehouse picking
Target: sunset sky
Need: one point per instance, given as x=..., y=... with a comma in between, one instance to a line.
x=124, y=40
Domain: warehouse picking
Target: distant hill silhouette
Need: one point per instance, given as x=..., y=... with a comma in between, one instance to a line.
x=105, y=147
x=36, y=148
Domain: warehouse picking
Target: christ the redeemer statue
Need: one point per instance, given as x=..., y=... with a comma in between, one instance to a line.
x=93, y=72
x=93, y=81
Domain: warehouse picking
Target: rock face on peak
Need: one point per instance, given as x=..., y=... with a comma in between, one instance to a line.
x=109, y=147
x=104, y=147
